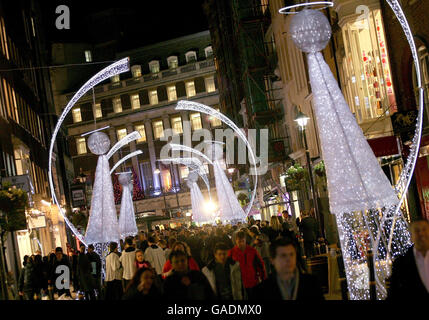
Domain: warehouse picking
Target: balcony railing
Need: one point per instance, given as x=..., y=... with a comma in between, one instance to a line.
x=190, y=67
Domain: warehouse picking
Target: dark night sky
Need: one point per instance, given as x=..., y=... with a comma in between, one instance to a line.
x=143, y=22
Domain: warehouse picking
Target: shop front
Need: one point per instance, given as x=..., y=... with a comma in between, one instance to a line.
x=365, y=70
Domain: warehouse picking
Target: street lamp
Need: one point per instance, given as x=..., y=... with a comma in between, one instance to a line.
x=302, y=120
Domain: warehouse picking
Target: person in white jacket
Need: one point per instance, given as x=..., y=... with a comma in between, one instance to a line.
x=113, y=278
x=128, y=261
x=155, y=256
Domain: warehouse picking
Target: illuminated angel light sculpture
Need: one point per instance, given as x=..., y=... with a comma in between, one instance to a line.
x=199, y=107
x=103, y=221
x=230, y=208
x=197, y=199
x=111, y=70
x=127, y=220
x=367, y=208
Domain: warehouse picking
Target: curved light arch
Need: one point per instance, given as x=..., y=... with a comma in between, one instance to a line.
x=199, y=107
x=180, y=147
x=406, y=174
x=132, y=154
x=118, y=67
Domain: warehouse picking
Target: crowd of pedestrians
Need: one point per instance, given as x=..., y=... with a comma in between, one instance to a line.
x=256, y=260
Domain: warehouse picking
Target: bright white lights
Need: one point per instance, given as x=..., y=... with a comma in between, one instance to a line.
x=45, y=203
x=302, y=119
x=199, y=107
x=132, y=154
x=210, y=207
x=365, y=205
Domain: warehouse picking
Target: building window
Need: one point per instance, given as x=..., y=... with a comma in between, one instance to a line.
x=115, y=78
x=210, y=84
x=166, y=179
x=158, y=129
x=366, y=73
x=215, y=122
x=121, y=133
x=140, y=129
x=97, y=110
x=209, y=52
x=153, y=97
x=77, y=117
x=171, y=92
x=117, y=106
x=154, y=66
x=184, y=172
x=136, y=71
x=135, y=101
x=81, y=145
x=88, y=56
x=191, y=56
x=172, y=62
x=176, y=125
x=190, y=89
x=195, y=121
x=4, y=39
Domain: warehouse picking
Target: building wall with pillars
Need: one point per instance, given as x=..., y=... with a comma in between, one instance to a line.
x=158, y=91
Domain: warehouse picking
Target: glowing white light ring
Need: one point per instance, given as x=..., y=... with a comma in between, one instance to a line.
x=406, y=174
x=326, y=4
x=199, y=107
x=96, y=130
x=412, y=158
x=132, y=154
x=114, y=69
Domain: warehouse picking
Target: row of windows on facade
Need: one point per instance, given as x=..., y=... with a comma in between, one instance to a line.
x=153, y=98
x=12, y=105
x=11, y=52
x=15, y=166
x=154, y=65
x=158, y=129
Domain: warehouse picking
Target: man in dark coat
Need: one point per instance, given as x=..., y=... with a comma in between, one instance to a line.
x=185, y=284
x=410, y=273
x=60, y=260
x=309, y=229
x=86, y=281
x=287, y=282
x=95, y=262
x=27, y=279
